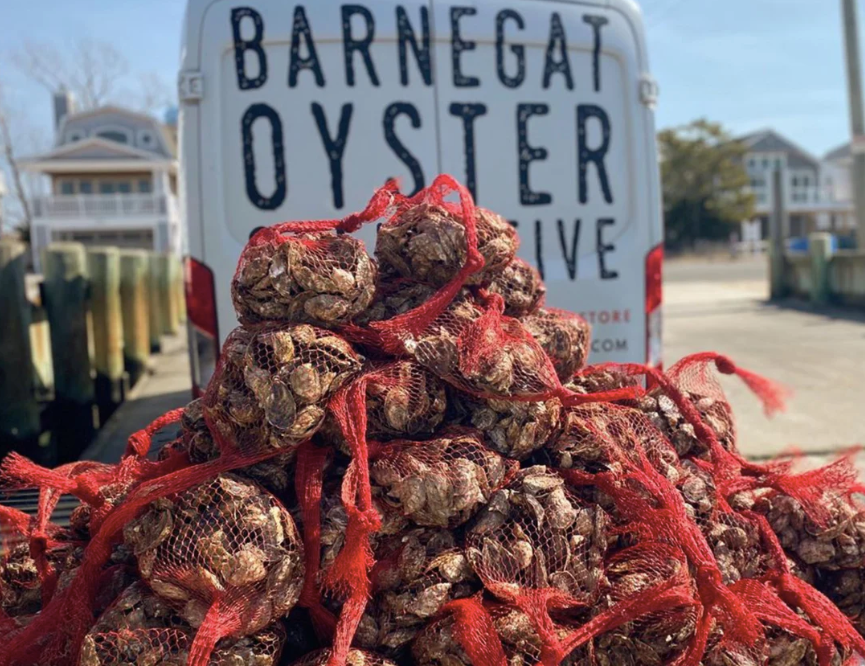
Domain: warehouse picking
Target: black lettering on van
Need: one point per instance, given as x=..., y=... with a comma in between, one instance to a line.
x=558, y=41
x=595, y=155
x=468, y=112
x=528, y=154
x=255, y=196
x=458, y=46
x=597, y=22
x=406, y=38
x=569, y=254
x=300, y=28
x=390, y=115
x=603, y=248
x=517, y=49
x=241, y=46
x=334, y=148
x=539, y=247
x=350, y=44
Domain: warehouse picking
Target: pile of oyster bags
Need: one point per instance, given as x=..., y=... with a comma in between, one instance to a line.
x=405, y=460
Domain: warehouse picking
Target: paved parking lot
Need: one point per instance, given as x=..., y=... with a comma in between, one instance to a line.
x=820, y=355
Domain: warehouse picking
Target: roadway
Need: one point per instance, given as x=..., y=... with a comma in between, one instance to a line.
x=819, y=354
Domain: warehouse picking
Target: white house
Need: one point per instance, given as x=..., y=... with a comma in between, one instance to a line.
x=817, y=193
x=113, y=181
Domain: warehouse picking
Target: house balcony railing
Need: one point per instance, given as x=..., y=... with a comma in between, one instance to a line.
x=104, y=205
x=800, y=199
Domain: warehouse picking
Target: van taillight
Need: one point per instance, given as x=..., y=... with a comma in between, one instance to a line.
x=202, y=323
x=654, y=300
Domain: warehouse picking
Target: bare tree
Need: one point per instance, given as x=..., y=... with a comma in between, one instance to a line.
x=7, y=149
x=153, y=94
x=91, y=69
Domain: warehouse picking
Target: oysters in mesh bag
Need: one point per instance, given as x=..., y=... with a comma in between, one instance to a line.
x=273, y=385
x=225, y=539
x=427, y=243
x=316, y=278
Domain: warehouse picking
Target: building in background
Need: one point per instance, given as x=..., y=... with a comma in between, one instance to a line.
x=817, y=192
x=112, y=181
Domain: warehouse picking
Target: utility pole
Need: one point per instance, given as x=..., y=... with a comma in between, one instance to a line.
x=857, y=120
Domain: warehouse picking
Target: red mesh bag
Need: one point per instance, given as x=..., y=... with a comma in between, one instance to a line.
x=514, y=429
x=402, y=400
x=441, y=482
x=308, y=272
x=430, y=240
x=564, y=336
x=225, y=553
x=272, y=384
x=353, y=658
x=521, y=288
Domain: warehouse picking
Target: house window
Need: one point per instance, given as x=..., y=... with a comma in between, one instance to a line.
x=106, y=187
x=85, y=187
x=777, y=162
x=114, y=135
x=75, y=135
x=145, y=186
x=145, y=138
x=795, y=181
x=765, y=162
x=806, y=181
x=124, y=187
x=67, y=187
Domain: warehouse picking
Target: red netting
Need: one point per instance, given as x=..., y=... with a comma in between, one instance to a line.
x=352, y=658
x=225, y=553
x=272, y=384
x=440, y=482
x=521, y=288
x=564, y=336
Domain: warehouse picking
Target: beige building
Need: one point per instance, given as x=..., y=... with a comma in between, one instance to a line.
x=111, y=180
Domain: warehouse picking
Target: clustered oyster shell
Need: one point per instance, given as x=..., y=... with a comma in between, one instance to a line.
x=274, y=385
x=319, y=278
x=225, y=536
x=535, y=534
x=275, y=473
x=514, y=429
x=440, y=482
x=427, y=243
x=420, y=570
x=563, y=336
x=520, y=286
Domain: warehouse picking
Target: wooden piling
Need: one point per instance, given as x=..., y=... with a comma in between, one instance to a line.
x=155, y=298
x=135, y=305
x=19, y=409
x=66, y=295
x=103, y=265
x=168, y=295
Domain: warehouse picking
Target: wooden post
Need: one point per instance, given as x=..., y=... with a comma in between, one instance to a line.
x=180, y=291
x=167, y=296
x=66, y=293
x=19, y=410
x=103, y=265
x=777, y=226
x=155, y=297
x=820, y=249
x=134, y=302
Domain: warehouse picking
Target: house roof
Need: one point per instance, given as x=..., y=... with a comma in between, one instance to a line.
x=839, y=153
x=768, y=140
x=94, y=147
x=164, y=139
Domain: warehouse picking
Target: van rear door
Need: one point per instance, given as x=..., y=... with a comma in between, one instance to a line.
x=540, y=113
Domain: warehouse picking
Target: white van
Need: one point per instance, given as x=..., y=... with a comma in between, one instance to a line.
x=543, y=108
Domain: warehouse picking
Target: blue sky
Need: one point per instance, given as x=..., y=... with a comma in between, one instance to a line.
x=747, y=63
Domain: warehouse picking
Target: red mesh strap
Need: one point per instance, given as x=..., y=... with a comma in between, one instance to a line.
x=377, y=208
x=219, y=622
x=475, y=632
x=349, y=575
x=59, y=629
x=309, y=477
x=395, y=330
x=139, y=443
x=811, y=488
x=769, y=608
